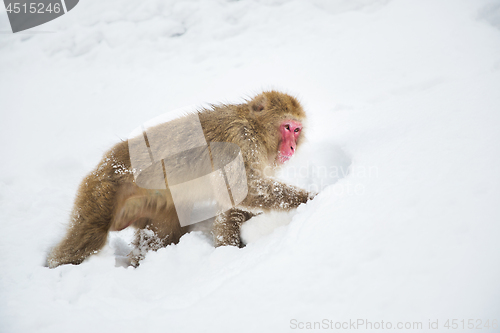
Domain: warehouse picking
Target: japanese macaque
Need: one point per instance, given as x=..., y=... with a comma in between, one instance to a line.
x=267, y=129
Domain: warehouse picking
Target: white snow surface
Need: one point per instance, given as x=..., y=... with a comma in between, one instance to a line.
x=403, y=99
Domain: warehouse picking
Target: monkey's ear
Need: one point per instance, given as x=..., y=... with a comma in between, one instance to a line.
x=258, y=103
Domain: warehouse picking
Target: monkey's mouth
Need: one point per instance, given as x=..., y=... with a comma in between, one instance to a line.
x=283, y=158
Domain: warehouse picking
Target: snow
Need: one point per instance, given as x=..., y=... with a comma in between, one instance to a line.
x=403, y=147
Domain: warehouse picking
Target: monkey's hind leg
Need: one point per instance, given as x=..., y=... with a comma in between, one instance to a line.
x=154, y=232
x=90, y=223
x=226, y=229
x=83, y=239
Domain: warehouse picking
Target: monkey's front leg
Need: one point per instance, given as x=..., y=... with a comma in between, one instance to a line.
x=226, y=229
x=267, y=193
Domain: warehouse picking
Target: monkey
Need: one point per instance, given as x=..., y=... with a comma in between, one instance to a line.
x=267, y=130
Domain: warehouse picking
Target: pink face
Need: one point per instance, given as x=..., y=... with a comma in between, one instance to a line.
x=290, y=132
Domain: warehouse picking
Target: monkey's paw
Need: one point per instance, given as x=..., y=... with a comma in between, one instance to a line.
x=311, y=195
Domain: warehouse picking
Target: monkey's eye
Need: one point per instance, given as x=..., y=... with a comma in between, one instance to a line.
x=297, y=130
x=287, y=127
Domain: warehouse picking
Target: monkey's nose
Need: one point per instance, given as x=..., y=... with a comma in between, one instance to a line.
x=292, y=148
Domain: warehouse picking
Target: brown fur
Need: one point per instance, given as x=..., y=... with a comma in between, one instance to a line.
x=109, y=199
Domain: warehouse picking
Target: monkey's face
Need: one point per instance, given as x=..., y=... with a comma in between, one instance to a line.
x=290, y=131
